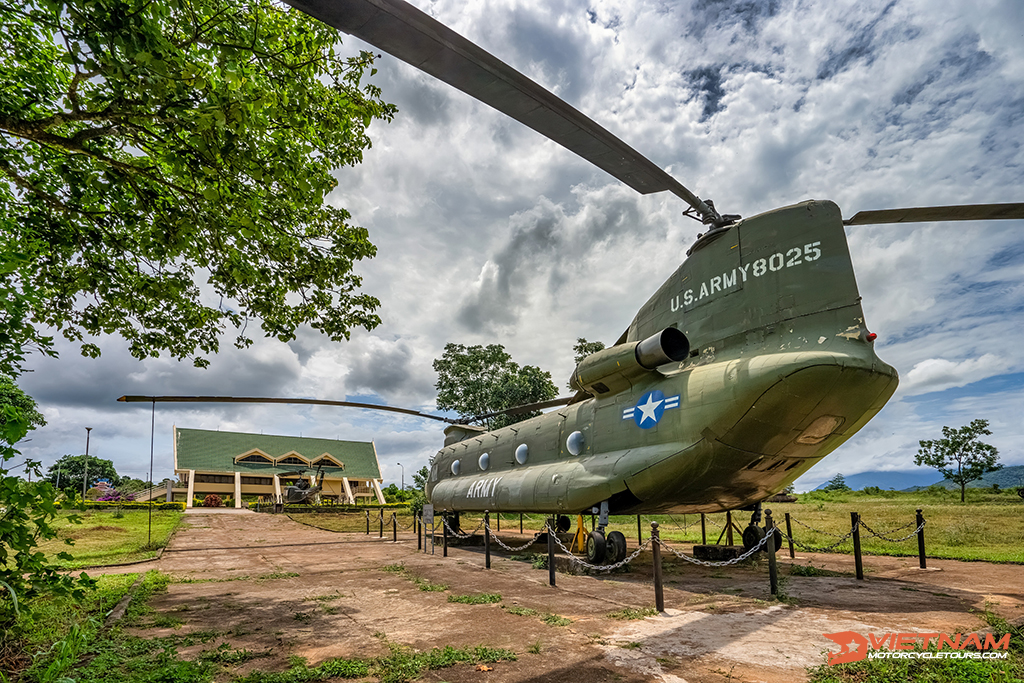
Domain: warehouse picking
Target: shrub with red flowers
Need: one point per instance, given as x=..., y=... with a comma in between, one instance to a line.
x=211, y=501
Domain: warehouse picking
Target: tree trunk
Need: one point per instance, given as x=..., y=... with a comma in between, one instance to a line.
x=963, y=489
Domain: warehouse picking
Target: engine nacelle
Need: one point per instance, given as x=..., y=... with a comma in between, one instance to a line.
x=614, y=369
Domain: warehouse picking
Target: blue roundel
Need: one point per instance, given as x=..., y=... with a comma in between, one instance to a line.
x=649, y=409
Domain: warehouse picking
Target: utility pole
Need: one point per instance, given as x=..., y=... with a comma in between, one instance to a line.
x=85, y=479
x=403, y=474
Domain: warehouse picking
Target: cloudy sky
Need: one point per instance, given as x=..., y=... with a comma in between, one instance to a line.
x=488, y=233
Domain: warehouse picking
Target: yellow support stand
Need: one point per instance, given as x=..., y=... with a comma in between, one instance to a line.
x=580, y=539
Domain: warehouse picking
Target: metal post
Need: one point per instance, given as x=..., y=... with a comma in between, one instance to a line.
x=789, y=535
x=367, y=522
x=85, y=479
x=499, y=521
x=659, y=590
x=520, y=522
x=920, y=539
x=487, y=539
x=551, y=554
x=394, y=527
x=703, y=530
x=855, y=525
x=152, y=437
x=728, y=527
x=444, y=531
x=639, y=532
x=380, y=515
x=773, y=570
x=418, y=522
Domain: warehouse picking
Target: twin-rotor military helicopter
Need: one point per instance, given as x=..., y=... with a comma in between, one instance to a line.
x=748, y=365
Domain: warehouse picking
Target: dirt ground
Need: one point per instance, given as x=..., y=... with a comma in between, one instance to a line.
x=266, y=583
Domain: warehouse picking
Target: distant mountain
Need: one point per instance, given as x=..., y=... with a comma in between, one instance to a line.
x=1007, y=478
x=921, y=478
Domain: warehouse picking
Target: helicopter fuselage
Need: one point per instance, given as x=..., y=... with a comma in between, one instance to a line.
x=776, y=371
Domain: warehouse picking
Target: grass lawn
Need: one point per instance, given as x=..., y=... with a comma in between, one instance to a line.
x=989, y=526
x=102, y=539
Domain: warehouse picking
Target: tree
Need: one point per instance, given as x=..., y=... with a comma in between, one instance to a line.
x=419, y=478
x=959, y=456
x=26, y=510
x=475, y=380
x=393, y=494
x=146, y=146
x=72, y=470
x=583, y=348
x=11, y=395
x=836, y=483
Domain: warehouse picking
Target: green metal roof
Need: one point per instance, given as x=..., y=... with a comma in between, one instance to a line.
x=213, y=451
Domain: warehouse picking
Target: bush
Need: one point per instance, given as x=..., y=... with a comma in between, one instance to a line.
x=110, y=505
x=211, y=501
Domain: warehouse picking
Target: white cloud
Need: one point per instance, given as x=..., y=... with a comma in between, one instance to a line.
x=937, y=374
x=487, y=233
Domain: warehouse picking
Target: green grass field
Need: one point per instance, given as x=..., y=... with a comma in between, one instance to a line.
x=103, y=539
x=989, y=526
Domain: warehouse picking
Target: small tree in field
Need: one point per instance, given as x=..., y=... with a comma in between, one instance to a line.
x=837, y=483
x=959, y=456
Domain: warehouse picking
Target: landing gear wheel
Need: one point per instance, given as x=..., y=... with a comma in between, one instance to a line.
x=752, y=535
x=616, y=546
x=597, y=548
x=562, y=524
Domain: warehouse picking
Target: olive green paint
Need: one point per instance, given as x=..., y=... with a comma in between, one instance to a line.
x=780, y=373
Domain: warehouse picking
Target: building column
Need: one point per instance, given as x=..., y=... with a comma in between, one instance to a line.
x=170, y=490
x=376, y=489
x=238, y=489
x=277, y=490
x=191, y=488
x=348, y=491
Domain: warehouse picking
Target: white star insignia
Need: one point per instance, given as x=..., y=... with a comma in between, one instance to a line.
x=648, y=409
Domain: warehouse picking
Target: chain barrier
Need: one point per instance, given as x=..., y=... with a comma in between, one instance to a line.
x=685, y=525
x=705, y=563
x=456, y=534
x=596, y=567
x=720, y=526
x=842, y=539
x=817, y=531
x=508, y=548
x=882, y=536
x=812, y=549
x=406, y=527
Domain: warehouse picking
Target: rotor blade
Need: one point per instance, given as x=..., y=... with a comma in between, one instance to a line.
x=518, y=410
x=414, y=37
x=303, y=401
x=960, y=212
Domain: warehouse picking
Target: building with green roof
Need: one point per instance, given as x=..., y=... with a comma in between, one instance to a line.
x=258, y=465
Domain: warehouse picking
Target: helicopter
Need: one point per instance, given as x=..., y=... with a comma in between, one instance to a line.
x=747, y=366
x=303, y=491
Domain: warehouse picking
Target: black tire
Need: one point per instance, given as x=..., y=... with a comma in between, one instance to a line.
x=752, y=535
x=562, y=524
x=597, y=548
x=616, y=546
